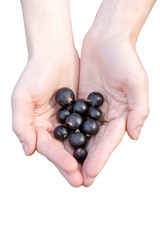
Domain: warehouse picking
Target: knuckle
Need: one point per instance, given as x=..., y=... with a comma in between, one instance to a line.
x=16, y=129
x=14, y=94
x=15, y=98
x=146, y=113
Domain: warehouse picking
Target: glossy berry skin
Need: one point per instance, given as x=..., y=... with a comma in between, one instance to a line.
x=62, y=114
x=80, y=106
x=95, y=113
x=61, y=132
x=90, y=127
x=95, y=99
x=65, y=97
x=74, y=121
x=77, y=139
x=80, y=154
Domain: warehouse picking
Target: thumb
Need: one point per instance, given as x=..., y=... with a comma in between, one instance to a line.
x=22, y=121
x=138, y=103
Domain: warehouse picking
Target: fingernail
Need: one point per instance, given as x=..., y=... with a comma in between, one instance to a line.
x=91, y=178
x=25, y=148
x=137, y=133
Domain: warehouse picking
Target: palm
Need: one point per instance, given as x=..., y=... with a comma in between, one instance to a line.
x=110, y=68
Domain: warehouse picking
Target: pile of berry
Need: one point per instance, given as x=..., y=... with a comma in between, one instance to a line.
x=79, y=119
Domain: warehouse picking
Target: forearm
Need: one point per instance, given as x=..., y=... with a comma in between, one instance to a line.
x=125, y=17
x=47, y=25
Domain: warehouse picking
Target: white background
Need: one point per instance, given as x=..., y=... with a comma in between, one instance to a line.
x=35, y=201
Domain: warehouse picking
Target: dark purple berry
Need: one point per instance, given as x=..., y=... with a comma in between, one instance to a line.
x=80, y=106
x=74, y=121
x=80, y=154
x=90, y=127
x=61, y=132
x=77, y=139
x=62, y=114
x=65, y=97
x=95, y=99
x=95, y=113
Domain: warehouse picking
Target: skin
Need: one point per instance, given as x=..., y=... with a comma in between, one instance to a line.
x=109, y=64
x=53, y=63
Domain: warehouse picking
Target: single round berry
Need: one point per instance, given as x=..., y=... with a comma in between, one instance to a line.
x=62, y=114
x=95, y=99
x=90, y=127
x=80, y=154
x=61, y=132
x=74, y=121
x=65, y=97
x=95, y=113
x=77, y=139
x=80, y=106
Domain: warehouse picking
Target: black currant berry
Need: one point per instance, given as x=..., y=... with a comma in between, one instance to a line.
x=61, y=132
x=80, y=106
x=90, y=127
x=62, y=114
x=77, y=139
x=95, y=113
x=95, y=99
x=65, y=97
x=80, y=154
x=74, y=121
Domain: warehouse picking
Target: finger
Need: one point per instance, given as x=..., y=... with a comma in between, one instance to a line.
x=22, y=113
x=75, y=178
x=138, y=103
x=54, y=151
x=104, y=144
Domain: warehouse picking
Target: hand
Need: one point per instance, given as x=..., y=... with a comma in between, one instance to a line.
x=111, y=66
x=53, y=63
x=34, y=108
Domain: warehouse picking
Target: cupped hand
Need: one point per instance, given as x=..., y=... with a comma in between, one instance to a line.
x=34, y=108
x=111, y=66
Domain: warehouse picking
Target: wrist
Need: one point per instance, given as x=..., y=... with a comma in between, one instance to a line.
x=111, y=35
x=47, y=42
x=48, y=50
x=123, y=19
x=47, y=25
x=55, y=56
